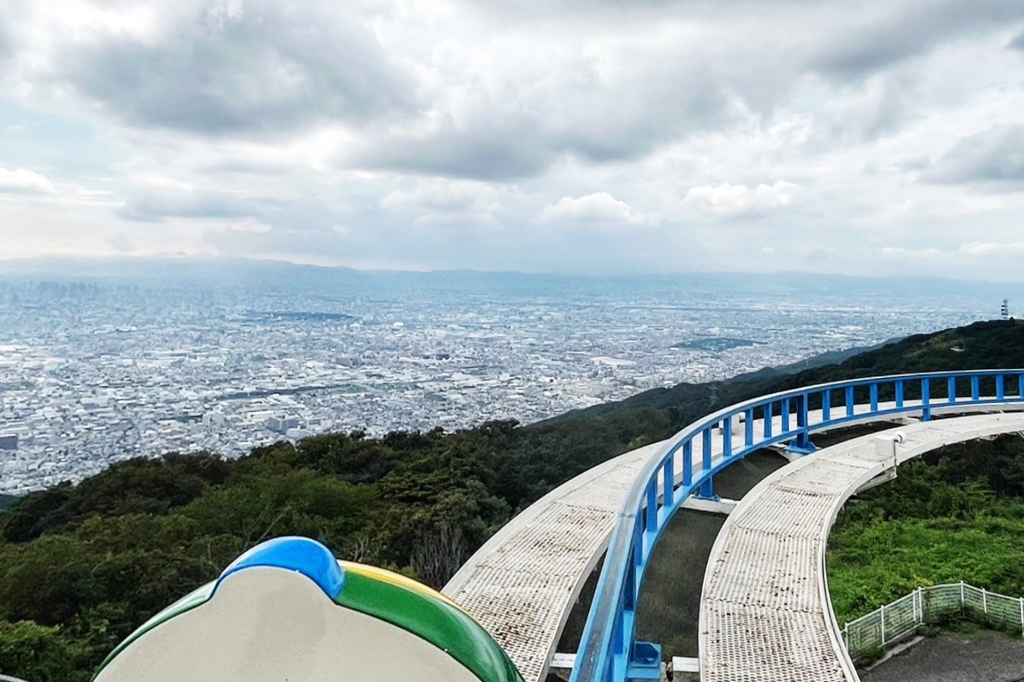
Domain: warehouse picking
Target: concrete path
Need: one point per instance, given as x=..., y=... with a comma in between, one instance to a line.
x=765, y=609
x=951, y=657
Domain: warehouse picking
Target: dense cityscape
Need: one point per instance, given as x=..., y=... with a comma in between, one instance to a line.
x=96, y=371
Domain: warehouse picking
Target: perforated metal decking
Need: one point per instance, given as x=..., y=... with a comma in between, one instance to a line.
x=765, y=610
x=521, y=585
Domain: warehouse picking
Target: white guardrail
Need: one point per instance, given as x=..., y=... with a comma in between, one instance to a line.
x=866, y=636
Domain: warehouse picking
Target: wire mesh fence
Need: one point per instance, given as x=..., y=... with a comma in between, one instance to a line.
x=866, y=636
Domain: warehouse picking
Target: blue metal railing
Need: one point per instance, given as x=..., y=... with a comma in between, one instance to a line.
x=606, y=652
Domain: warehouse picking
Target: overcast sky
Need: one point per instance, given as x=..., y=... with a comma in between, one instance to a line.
x=620, y=136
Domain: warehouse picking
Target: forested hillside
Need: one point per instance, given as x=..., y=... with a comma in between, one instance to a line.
x=82, y=565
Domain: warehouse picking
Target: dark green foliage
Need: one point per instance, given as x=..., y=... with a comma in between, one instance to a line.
x=37, y=652
x=135, y=486
x=92, y=561
x=82, y=565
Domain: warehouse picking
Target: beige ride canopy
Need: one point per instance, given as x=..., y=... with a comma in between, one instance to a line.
x=287, y=610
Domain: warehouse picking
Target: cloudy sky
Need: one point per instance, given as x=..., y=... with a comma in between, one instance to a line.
x=597, y=136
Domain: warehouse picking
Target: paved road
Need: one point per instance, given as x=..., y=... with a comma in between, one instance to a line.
x=984, y=657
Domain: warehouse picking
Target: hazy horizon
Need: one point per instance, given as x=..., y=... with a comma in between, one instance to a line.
x=63, y=260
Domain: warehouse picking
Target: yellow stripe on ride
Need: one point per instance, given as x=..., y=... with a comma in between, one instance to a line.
x=393, y=578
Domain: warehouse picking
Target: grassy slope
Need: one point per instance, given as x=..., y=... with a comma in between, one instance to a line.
x=957, y=515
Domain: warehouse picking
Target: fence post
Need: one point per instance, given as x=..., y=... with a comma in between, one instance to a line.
x=963, y=604
x=984, y=600
x=846, y=630
x=1022, y=616
x=882, y=620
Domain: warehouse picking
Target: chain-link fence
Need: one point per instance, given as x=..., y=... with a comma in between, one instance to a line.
x=868, y=635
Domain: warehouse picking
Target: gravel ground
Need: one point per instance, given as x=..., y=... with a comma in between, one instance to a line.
x=954, y=657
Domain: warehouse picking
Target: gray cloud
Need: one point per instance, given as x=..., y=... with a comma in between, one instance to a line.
x=1018, y=42
x=154, y=205
x=506, y=150
x=879, y=108
x=919, y=163
x=269, y=67
x=6, y=43
x=906, y=30
x=995, y=155
x=670, y=92
x=509, y=138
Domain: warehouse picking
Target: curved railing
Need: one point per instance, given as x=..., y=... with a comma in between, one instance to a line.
x=607, y=649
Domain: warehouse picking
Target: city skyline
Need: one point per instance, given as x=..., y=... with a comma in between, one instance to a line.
x=96, y=370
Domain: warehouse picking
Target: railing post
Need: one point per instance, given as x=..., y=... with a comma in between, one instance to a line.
x=768, y=420
x=652, y=517
x=882, y=621
x=826, y=405
x=874, y=396
x=1000, y=387
x=926, y=399
x=636, y=562
x=849, y=401
x=975, y=388
x=899, y=394
x=727, y=437
x=802, y=441
x=688, y=462
x=706, y=488
x=748, y=428
x=951, y=383
x=668, y=482
x=785, y=415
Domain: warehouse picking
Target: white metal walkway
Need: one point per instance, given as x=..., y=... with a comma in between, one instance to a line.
x=522, y=584
x=765, y=608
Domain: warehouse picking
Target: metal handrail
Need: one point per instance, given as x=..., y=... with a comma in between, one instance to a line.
x=606, y=647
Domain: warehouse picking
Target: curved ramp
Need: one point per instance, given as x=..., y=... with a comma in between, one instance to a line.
x=765, y=613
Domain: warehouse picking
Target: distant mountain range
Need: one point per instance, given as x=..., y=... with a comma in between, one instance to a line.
x=179, y=273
